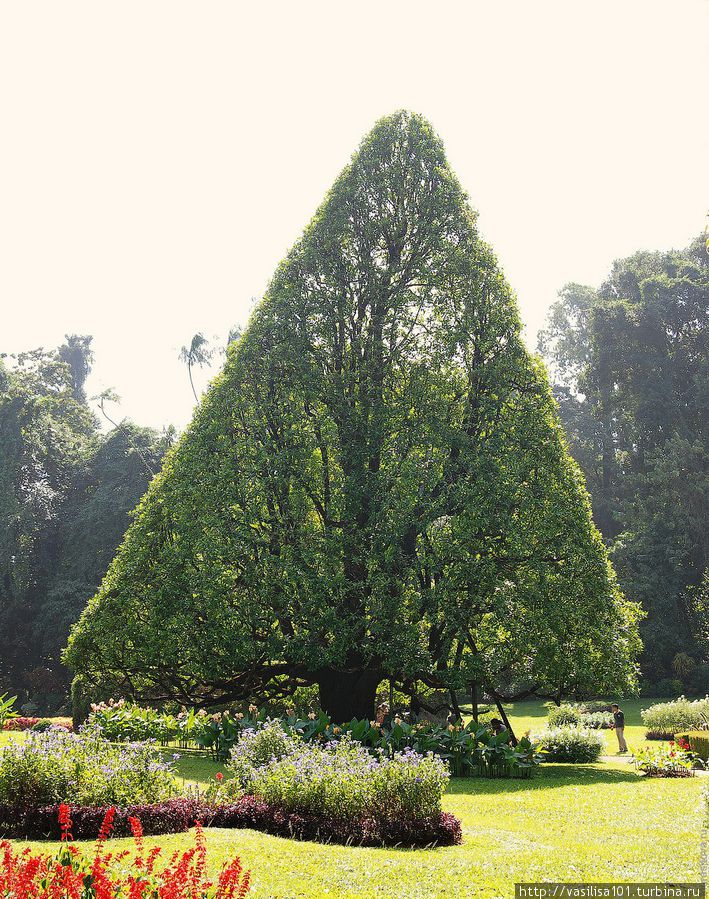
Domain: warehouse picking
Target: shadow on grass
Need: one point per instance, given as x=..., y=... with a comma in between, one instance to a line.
x=546, y=778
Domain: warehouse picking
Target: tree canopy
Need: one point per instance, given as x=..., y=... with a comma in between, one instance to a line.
x=376, y=485
x=631, y=369
x=65, y=494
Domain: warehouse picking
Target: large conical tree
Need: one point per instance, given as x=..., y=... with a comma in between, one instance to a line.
x=375, y=486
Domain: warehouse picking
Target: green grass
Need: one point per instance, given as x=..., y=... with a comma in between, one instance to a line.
x=570, y=822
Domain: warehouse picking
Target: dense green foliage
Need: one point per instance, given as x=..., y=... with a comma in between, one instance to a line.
x=65, y=494
x=375, y=486
x=631, y=373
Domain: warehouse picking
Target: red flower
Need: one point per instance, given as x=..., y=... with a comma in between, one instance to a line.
x=65, y=822
x=220, y=776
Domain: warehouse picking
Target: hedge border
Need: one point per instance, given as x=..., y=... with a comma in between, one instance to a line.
x=178, y=815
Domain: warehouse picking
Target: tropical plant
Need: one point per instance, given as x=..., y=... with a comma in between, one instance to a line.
x=197, y=353
x=674, y=759
x=7, y=712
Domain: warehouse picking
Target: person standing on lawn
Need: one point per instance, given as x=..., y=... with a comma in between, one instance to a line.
x=619, y=719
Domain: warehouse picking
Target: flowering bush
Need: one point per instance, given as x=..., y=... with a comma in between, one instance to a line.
x=571, y=744
x=70, y=873
x=563, y=715
x=597, y=720
x=665, y=719
x=55, y=765
x=346, y=781
x=672, y=760
x=257, y=747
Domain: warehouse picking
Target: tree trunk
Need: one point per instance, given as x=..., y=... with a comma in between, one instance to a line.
x=345, y=695
x=474, y=700
x=506, y=722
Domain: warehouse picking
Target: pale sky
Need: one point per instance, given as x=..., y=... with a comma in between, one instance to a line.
x=158, y=159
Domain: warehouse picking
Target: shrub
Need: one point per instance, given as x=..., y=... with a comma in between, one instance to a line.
x=42, y=724
x=257, y=747
x=41, y=822
x=597, y=720
x=665, y=719
x=595, y=705
x=560, y=716
x=672, y=760
x=55, y=765
x=571, y=744
x=439, y=829
x=70, y=873
x=20, y=723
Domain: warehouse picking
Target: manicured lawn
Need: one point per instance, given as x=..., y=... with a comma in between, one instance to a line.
x=571, y=822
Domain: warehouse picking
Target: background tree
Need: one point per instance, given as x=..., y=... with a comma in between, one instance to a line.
x=375, y=487
x=197, y=353
x=65, y=494
x=630, y=364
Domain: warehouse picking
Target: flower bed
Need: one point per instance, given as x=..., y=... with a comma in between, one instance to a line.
x=339, y=792
x=53, y=766
x=179, y=815
x=439, y=829
x=105, y=876
x=664, y=719
x=20, y=723
x=30, y=723
x=673, y=760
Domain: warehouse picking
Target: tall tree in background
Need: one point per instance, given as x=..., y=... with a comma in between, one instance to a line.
x=65, y=494
x=375, y=487
x=630, y=366
x=197, y=353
